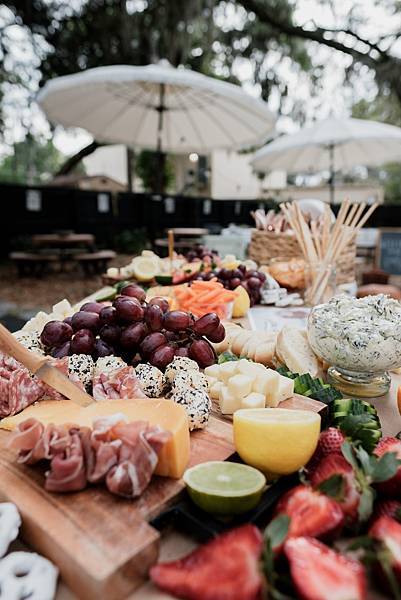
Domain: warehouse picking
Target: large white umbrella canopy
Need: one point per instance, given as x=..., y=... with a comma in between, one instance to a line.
x=157, y=107
x=334, y=144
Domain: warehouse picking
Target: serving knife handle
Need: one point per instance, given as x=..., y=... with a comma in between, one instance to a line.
x=11, y=346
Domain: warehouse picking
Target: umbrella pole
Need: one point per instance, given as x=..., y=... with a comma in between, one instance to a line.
x=332, y=173
x=160, y=156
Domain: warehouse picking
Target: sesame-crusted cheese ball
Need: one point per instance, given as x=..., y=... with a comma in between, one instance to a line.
x=31, y=341
x=191, y=379
x=83, y=367
x=107, y=364
x=197, y=405
x=151, y=379
x=179, y=364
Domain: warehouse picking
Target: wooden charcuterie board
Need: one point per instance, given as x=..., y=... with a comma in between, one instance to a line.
x=103, y=545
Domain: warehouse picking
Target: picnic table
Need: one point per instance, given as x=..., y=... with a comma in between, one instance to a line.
x=63, y=240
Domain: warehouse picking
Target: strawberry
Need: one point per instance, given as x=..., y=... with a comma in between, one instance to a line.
x=224, y=568
x=319, y=573
x=330, y=441
x=387, y=533
x=311, y=513
x=391, y=487
x=349, y=496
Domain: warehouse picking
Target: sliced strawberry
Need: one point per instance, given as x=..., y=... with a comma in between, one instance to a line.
x=387, y=532
x=319, y=573
x=337, y=465
x=330, y=441
x=225, y=568
x=312, y=514
x=391, y=487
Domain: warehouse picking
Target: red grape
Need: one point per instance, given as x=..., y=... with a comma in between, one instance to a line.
x=134, y=291
x=160, y=301
x=61, y=351
x=93, y=307
x=251, y=273
x=108, y=315
x=171, y=336
x=217, y=335
x=225, y=273
x=206, y=324
x=101, y=349
x=82, y=342
x=162, y=356
x=235, y=282
x=202, y=352
x=177, y=320
x=183, y=351
x=133, y=335
x=254, y=283
x=68, y=320
x=262, y=276
x=110, y=333
x=85, y=320
x=238, y=273
x=242, y=268
x=55, y=333
x=208, y=276
x=154, y=317
x=151, y=342
x=130, y=310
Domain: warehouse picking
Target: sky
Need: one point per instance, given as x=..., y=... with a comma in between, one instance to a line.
x=335, y=97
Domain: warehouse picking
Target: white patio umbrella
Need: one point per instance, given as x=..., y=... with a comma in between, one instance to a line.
x=157, y=107
x=333, y=144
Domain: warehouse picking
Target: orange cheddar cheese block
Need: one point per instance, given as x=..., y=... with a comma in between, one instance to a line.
x=168, y=415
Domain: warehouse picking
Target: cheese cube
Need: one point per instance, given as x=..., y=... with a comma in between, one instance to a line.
x=251, y=369
x=227, y=370
x=215, y=390
x=228, y=402
x=286, y=388
x=267, y=383
x=213, y=371
x=240, y=385
x=253, y=400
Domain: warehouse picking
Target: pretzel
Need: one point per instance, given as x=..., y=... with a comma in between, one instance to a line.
x=27, y=575
x=10, y=522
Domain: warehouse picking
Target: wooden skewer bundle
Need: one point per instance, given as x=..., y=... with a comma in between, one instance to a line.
x=322, y=246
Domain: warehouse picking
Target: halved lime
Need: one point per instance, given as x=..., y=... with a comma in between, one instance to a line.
x=225, y=488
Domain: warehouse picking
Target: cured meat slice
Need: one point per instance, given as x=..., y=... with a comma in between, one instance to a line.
x=67, y=469
x=23, y=390
x=123, y=455
x=119, y=384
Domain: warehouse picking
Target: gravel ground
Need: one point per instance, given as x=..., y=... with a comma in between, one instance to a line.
x=25, y=296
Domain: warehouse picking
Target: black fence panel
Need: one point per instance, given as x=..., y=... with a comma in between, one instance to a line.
x=28, y=210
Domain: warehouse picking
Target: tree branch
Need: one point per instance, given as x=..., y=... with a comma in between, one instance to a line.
x=72, y=162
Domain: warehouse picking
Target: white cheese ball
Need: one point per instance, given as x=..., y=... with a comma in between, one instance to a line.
x=30, y=340
x=180, y=364
x=107, y=364
x=191, y=379
x=197, y=405
x=151, y=379
x=83, y=366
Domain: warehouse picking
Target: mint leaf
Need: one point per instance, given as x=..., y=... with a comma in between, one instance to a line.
x=334, y=487
x=362, y=542
x=386, y=467
x=365, y=507
x=277, y=530
x=348, y=454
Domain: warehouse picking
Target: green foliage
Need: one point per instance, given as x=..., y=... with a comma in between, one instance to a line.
x=130, y=241
x=146, y=167
x=32, y=161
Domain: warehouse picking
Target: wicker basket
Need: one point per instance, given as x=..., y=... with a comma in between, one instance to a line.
x=266, y=245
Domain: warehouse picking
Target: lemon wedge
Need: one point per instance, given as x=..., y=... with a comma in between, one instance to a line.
x=277, y=441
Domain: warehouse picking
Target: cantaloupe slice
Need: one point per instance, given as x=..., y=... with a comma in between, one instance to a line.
x=168, y=415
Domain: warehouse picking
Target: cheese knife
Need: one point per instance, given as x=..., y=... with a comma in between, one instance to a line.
x=42, y=369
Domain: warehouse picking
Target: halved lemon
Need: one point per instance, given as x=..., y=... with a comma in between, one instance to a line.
x=224, y=488
x=277, y=441
x=144, y=268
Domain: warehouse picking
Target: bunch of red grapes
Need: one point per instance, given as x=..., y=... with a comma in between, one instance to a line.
x=199, y=252
x=251, y=280
x=135, y=330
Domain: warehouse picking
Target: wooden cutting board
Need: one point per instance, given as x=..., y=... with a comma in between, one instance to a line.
x=103, y=545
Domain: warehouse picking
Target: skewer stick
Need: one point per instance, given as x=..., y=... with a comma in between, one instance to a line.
x=170, y=235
